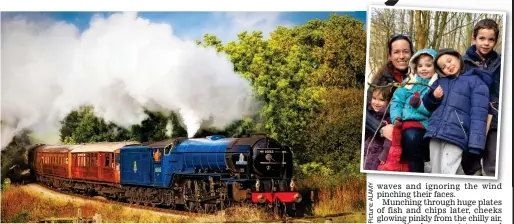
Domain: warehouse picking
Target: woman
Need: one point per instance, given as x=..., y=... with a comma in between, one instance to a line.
x=400, y=51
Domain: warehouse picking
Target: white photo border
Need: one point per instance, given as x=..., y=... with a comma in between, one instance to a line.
x=366, y=87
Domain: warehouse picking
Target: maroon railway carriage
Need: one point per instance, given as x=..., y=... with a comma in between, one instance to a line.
x=53, y=160
x=77, y=166
x=97, y=162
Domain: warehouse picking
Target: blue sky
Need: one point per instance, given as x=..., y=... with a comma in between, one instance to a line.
x=192, y=25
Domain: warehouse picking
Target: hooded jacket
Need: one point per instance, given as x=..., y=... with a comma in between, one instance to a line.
x=460, y=116
x=376, y=150
x=400, y=106
x=492, y=64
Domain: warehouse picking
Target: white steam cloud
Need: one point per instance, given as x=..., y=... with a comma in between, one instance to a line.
x=119, y=65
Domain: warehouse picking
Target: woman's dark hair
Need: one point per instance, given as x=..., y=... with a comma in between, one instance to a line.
x=389, y=65
x=396, y=37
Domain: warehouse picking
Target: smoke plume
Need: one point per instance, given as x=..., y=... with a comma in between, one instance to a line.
x=119, y=65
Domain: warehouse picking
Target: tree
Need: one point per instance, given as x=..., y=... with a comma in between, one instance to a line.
x=82, y=126
x=292, y=70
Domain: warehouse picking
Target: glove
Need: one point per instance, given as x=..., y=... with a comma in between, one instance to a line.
x=398, y=122
x=415, y=100
x=470, y=162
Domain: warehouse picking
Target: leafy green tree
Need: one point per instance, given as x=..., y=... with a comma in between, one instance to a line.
x=296, y=73
x=82, y=126
x=308, y=79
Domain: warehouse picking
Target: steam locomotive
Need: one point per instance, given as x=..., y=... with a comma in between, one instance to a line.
x=197, y=174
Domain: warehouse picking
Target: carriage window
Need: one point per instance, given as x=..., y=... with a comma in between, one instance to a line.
x=107, y=160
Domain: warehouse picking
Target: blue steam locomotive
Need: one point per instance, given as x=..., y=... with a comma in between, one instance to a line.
x=207, y=174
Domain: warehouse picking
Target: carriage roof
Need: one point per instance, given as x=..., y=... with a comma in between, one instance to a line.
x=102, y=147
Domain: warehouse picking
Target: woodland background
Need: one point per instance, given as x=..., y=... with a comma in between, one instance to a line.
x=309, y=79
x=428, y=29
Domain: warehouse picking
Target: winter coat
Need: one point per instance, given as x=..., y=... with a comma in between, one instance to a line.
x=400, y=104
x=376, y=150
x=492, y=64
x=460, y=116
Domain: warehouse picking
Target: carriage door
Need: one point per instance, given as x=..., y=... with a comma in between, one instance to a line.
x=107, y=166
x=157, y=167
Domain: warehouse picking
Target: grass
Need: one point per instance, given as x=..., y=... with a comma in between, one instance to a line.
x=340, y=196
x=241, y=214
x=20, y=206
x=336, y=197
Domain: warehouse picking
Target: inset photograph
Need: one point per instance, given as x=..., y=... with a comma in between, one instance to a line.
x=433, y=92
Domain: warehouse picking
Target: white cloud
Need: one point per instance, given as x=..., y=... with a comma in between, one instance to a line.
x=227, y=25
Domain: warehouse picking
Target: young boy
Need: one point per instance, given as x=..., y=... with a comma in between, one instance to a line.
x=482, y=55
x=460, y=103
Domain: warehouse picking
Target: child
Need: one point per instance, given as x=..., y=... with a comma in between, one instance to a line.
x=459, y=102
x=376, y=146
x=482, y=55
x=410, y=115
